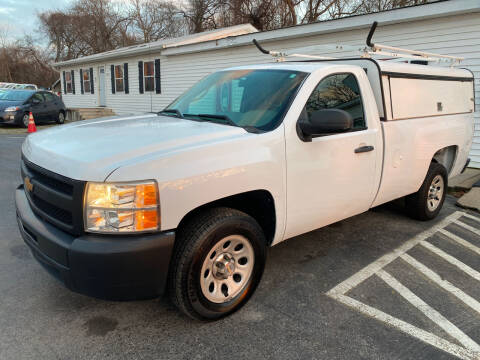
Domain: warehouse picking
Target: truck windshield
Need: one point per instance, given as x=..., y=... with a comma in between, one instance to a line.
x=252, y=99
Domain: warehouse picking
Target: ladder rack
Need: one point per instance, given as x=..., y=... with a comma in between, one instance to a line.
x=371, y=50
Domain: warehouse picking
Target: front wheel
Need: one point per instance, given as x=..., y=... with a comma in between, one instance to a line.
x=427, y=202
x=217, y=264
x=25, y=119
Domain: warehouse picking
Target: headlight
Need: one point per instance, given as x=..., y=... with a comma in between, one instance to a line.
x=12, y=109
x=121, y=207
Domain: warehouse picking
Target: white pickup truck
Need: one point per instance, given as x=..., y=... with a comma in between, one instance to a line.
x=188, y=201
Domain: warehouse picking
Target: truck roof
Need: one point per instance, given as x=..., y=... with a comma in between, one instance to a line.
x=385, y=67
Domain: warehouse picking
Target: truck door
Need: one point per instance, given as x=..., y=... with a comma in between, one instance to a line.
x=334, y=176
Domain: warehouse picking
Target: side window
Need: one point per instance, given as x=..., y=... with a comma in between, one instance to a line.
x=48, y=96
x=339, y=91
x=37, y=96
x=118, y=78
x=68, y=82
x=149, y=75
x=86, y=80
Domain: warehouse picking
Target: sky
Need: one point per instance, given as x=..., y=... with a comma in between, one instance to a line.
x=19, y=17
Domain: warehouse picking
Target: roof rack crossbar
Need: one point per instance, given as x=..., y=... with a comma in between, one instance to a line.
x=375, y=49
x=378, y=48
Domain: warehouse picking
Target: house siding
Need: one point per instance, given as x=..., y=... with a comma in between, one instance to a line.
x=451, y=35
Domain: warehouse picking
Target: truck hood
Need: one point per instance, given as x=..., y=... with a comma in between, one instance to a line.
x=91, y=150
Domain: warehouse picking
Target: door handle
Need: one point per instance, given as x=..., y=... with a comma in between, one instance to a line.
x=363, y=149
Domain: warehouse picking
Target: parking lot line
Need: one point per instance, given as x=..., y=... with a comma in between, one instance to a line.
x=465, y=268
x=407, y=328
x=470, y=349
x=428, y=311
x=444, y=284
x=468, y=227
x=461, y=241
x=371, y=269
x=472, y=217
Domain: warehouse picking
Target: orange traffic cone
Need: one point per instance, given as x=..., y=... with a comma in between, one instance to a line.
x=31, y=124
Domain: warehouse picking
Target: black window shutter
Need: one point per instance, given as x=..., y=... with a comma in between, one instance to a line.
x=125, y=77
x=81, y=81
x=112, y=75
x=140, y=77
x=73, y=82
x=91, y=81
x=64, y=84
x=158, y=90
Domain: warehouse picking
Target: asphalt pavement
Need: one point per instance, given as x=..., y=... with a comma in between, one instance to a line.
x=376, y=286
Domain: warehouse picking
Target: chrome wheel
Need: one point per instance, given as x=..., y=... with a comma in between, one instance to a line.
x=25, y=120
x=435, y=193
x=61, y=118
x=227, y=269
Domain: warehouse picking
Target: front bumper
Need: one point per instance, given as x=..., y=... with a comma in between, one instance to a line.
x=121, y=267
x=9, y=117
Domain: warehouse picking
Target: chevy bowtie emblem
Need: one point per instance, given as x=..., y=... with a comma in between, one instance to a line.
x=28, y=184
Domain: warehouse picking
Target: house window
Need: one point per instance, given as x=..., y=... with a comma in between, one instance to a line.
x=86, y=80
x=118, y=78
x=149, y=76
x=68, y=82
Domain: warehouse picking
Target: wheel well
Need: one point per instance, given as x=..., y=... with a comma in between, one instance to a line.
x=259, y=204
x=446, y=157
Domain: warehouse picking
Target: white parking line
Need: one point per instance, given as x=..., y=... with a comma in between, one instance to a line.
x=472, y=217
x=467, y=269
x=428, y=311
x=371, y=269
x=461, y=241
x=445, y=284
x=471, y=349
x=409, y=329
x=468, y=227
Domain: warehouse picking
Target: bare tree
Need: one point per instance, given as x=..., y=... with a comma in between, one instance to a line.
x=156, y=19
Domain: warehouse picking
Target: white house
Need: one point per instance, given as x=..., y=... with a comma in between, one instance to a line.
x=147, y=77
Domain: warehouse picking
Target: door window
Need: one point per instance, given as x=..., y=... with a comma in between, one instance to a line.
x=37, y=97
x=49, y=96
x=339, y=91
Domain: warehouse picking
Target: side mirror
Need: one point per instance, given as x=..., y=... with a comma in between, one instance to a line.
x=326, y=121
x=35, y=101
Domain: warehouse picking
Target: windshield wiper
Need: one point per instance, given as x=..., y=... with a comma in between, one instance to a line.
x=225, y=118
x=171, y=111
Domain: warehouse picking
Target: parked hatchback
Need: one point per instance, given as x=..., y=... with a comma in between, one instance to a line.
x=15, y=106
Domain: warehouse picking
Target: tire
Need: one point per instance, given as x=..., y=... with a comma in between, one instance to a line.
x=24, y=121
x=199, y=252
x=427, y=202
x=60, y=117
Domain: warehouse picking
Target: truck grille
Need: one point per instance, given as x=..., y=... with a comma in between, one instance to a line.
x=53, y=197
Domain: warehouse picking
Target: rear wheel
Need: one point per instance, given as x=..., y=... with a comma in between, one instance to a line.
x=217, y=263
x=427, y=202
x=60, y=118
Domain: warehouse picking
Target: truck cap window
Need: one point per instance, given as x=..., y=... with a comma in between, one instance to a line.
x=339, y=91
x=252, y=99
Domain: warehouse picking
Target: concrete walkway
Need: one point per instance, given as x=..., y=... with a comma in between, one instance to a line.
x=468, y=181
